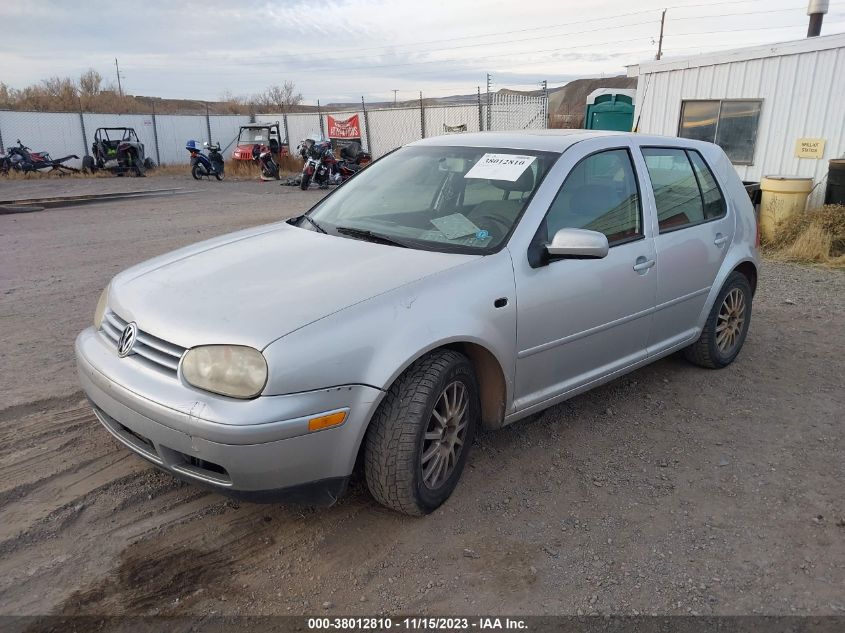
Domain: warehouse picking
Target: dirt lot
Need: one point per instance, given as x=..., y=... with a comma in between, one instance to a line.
x=673, y=490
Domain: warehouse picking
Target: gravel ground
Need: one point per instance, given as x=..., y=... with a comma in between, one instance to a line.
x=673, y=490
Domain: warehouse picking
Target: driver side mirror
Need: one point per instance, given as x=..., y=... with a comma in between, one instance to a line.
x=577, y=244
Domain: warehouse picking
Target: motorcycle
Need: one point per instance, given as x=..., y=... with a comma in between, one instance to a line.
x=22, y=158
x=203, y=166
x=355, y=154
x=320, y=165
x=269, y=167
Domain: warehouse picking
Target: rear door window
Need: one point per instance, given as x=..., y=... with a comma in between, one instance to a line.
x=676, y=192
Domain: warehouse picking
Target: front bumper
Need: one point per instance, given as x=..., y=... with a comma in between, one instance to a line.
x=253, y=447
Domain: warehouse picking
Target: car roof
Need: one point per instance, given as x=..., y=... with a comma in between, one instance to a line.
x=547, y=140
x=540, y=140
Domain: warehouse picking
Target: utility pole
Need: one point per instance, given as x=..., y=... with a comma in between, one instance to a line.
x=394, y=98
x=545, y=85
x=117, y=70
x=660, y=41
x=489, y=84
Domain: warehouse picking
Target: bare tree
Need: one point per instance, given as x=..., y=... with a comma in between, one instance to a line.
x=8, y=96
x=279, y=97
x=90, y=83
x=61, y=90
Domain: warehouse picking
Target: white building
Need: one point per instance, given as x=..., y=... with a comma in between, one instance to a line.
x=777, y=109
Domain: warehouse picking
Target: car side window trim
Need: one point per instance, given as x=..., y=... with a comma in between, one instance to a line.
x=687, y=151
x=716, y=180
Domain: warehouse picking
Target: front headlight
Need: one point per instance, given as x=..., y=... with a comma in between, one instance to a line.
x=100, y=311
x=230, y=370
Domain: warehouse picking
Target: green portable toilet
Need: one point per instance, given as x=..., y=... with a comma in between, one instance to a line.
x=610, y=109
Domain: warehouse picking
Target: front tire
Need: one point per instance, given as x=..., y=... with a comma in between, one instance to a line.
x=88, y=164
x=726, y=327
x=304, y=182
x=420, y=437
x=137, y=166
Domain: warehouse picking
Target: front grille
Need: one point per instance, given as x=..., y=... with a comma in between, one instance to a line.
x=149, y=349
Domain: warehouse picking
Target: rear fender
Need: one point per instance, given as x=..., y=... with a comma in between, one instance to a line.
x=742, y=247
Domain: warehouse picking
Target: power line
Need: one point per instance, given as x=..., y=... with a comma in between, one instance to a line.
x=391, y=48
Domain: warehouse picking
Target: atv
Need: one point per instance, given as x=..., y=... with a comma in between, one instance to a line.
x=267, y=136
x=118, y=150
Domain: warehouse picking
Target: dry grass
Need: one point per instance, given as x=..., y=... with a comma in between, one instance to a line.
x=37, y=175
x=817, y=236
x=235, y=170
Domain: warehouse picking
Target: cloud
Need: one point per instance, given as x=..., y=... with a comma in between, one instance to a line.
x=342, y=49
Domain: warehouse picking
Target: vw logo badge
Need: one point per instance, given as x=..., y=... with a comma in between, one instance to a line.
x=127, y=340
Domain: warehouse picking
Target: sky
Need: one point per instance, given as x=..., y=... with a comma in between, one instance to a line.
x=341, y=50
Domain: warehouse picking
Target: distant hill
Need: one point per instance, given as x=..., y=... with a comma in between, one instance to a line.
x=567, y=104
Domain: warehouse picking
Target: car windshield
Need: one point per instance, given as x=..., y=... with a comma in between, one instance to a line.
x=463, y=199
x=253, y=136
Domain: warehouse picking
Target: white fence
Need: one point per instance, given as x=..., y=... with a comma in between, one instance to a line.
x=164, y=135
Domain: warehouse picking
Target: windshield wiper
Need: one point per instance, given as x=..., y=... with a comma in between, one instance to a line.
x=369, y=236
x=314, y=224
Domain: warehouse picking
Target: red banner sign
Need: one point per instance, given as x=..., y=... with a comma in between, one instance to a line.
x=344, y=128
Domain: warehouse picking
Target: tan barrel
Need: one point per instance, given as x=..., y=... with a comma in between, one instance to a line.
x=783, y=197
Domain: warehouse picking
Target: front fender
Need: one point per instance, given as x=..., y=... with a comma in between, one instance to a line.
x=373, y=342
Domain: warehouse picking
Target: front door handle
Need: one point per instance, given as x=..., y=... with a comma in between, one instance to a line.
x=720, y=239
x=643, y=264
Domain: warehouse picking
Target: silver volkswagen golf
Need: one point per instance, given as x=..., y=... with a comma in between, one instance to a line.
x=460, y=282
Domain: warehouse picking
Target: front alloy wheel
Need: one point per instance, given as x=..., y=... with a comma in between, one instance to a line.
x=419, y=438
x=444, y=438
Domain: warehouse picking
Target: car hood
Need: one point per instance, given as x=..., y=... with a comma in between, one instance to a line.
x=255, y=286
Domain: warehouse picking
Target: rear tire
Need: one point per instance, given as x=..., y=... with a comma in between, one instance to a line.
x=198, y=172
x=149, y=164
x=420, y=436
x=726, y=327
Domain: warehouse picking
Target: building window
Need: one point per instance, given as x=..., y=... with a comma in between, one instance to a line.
x=731, y=124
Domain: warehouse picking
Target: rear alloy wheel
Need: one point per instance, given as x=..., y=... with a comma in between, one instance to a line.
x=726, y=327
x=420, y=437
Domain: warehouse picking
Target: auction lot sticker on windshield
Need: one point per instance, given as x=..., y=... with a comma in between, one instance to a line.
x=500, y=166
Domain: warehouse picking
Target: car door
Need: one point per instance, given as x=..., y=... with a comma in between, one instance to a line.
x=580, y=320
x=693, y=233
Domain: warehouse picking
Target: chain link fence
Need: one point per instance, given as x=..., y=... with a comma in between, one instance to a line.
x=164, y=135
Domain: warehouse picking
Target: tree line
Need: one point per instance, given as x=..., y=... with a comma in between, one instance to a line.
x=91, y=93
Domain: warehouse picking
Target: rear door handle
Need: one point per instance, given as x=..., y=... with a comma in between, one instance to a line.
x=643, y=264
x=720, y=239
